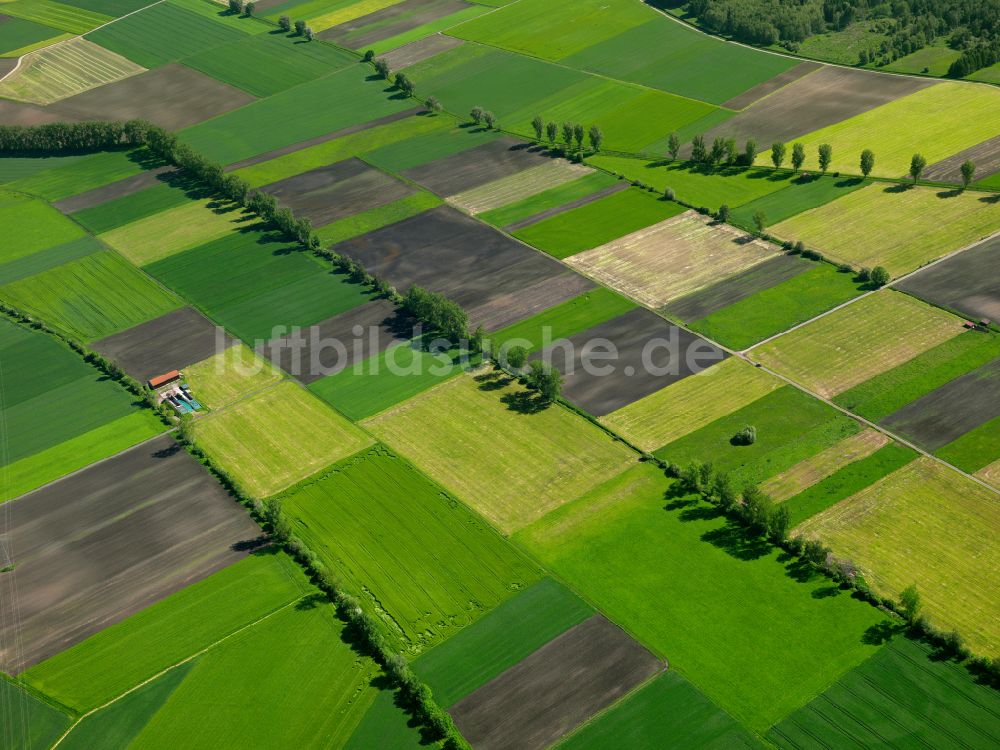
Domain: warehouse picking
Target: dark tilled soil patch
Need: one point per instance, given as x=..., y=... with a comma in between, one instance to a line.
x=519, y=304
x=771, y=85
x=819, y=99
x=475, y=166
x=729, y=291
x=170, y=342
x=19, y=113
x=968, y=282
x=420, y=50
x=445, y=251
x=651, y=353
x=338, y=191
x=173, y=97
x=274, y=154
x=114, y=190
x=535, y=218
x=7, y=64
x=100, y=545
x=339, y=342
x=555, y=689
x=950, y=411
x=390, y=23
x=985, y=155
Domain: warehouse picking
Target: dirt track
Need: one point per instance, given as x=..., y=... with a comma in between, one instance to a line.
x=555, y=689
x=99, y=545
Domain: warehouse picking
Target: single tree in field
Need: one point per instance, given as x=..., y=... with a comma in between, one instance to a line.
x=917, y=165
x=308, y=34
x=878, y=276
x=698, y=153
x=867, y=161
x=300, y=28
x=369, y=55
x=545, y=379
x=235, y=6
x=731, y=151
x=578, y=134
x=490, y=120
x=477, y=115
x=404, y=84
x=760, y=221
x=552, y=132
x=825, y=156
x=249, y=8
x=777, y=154
x=382, y=68
x=718, y=151
x=567, y=134
x=968, y=172
x=723, y=213
x=668, y=193
x=798, y=156
x=285, y=23
x=477, y=340
x=516, y=357
x=750, y=152
x=909, y=602
x=673, y=146
x=432, y=104
x=539, y=127
x=596, y=137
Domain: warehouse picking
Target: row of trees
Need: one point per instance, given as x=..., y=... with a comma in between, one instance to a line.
x=572, y=132
x=286, y=25
x=238, y=7
x=437, y=311
x=70, y=137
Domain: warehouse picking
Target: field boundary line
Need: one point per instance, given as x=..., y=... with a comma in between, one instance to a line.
x=185, y=660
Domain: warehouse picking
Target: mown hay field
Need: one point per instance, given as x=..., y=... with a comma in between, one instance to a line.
x=277, y=437
x=510, y=466
x=421, y=561
x=901, y=228
x=230, y=375
x=858, y=342
x=803, y=193
x=691, y=403
x=928, y=525
x=757, y=641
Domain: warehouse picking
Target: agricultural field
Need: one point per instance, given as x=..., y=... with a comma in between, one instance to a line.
x=858, y=342
x=43, y=227
x=276, y=437
x=17, y=34
x=557, y=456
x=521, y=213
x=923, y=524
x=230, y=375
x=516, y=187
x=69, y=18
x=799, y=195
x=64, y=179
x=361, y=518
x=926, y=224
x=37, y=724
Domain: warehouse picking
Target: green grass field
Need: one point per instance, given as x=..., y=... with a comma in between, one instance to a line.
x=19, y=32
x=899, y=229
x=384, y=725
x=886, y=699
x=118, y=658
x=131, y=208
x=667, y=712
x=267, y=64
x=39, y=226
x=433, y=138
x=890, y=391
x=252, y=282
x=596, y=223
x=500, y=639
x=376, y=218
x=433, y=27
x=801, y=194
x=976, y=449
x=43, y=260
x=791, y=426
x=989, y=74
x=547, y=199
x=19, y=167
x=422, y=562
x=71, y=177
x=479, y=438
x=926, y=524
x=858, y=342
x=57, y=15
x=30, y=723
x=91, y=297
x=754, y=639
x=276, y=437
x=934, y=60
x=777, y=309
x=699, y=187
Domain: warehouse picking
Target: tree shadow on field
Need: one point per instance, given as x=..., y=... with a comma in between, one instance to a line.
x=732, y=540
x=991, y=199
x=953, y=193
x=849, y=182
x=146, y=159
x=494, y=380
x=312, y=601
x=881, y=633
x=524, y=402
x=826, y=592
x=899, y=187
x=799, y=570
x=382, y=683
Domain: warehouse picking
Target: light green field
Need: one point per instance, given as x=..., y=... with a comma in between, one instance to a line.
x=691, y=403
x=548, y=199
x=66, y=178
x=176, y=229
x=433, y=27
x=230, y=375
x=402, y=154
x=91, y=297
x=131, y=208
x=422, y=562
x=928, y=525
x=899, y=229
x=934, y=60
x=757, y=641
x=43, y=260
x=38, y=226
x=510, y=466
x=120, y=657
x=976, y=449
x=57, y=15
x=855, y=343
x=276, y=437
x=987, y=75
x=934, y=121
x=376, y=218
x=801, y=194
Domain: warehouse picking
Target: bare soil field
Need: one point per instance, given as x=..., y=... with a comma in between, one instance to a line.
x=170, y=342
x=666, y=261
x=114, y=190
x=985, y=155
x=389, y=22
x=18, y=113
x=522, y=303
x=172, y=97
x=968, y=282
x=771, y=85
x=101, y=544
x=337, y=191
x=821, y=98
x=950, y=411
x=555, y=689
x=420, y=50
x=651, y=354
x=378, y=322
x=445, y=251
x=729, y=291
x=476, y=166
x=541, y=215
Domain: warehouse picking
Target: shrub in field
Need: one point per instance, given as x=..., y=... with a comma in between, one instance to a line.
x=285, y=23
x=300, y=28
x=746, y=436
x=879, y=276
x=382, y=68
